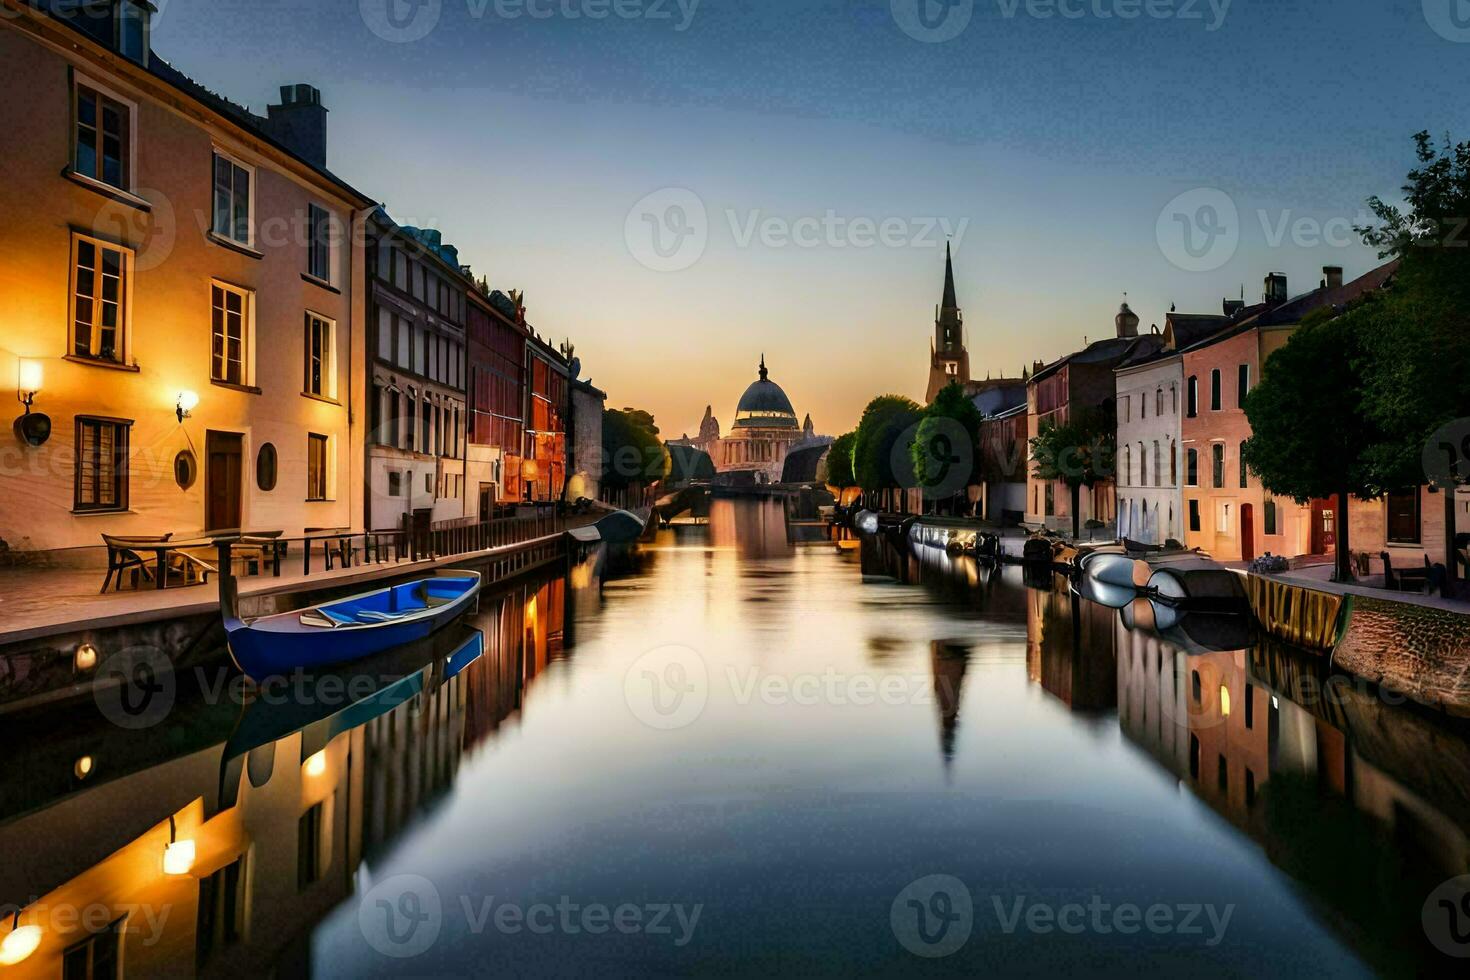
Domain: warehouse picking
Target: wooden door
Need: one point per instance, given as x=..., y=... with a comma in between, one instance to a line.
x=1247, y=532
x=223, y=473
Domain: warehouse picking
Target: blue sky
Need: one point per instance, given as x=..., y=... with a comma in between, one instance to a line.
x=1050, y=146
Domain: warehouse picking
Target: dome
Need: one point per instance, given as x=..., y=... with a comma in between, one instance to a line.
x=765, y=406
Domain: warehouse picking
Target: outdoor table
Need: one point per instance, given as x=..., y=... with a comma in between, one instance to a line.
x=160, y=552
x=341, y=541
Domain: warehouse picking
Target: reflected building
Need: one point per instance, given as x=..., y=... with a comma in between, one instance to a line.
x=1068, y=649
x=213, y=852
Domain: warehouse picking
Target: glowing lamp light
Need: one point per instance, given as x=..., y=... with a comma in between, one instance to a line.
x=316, y=764
x=188, y=401
x=83, y=767
x=30, y=379
x=178, y=855
x=20, y=943
x=86, y=657
x=530, y=471
x=1224, y=701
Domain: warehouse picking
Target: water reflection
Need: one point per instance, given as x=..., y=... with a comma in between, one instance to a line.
x=203, y=845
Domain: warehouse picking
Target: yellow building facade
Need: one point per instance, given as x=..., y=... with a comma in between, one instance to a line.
x=179, y=297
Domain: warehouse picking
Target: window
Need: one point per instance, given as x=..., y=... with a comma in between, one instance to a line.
x=319, y=249
x=1217, y=465
x=101, y=465
x=1127, y=409
x=1215, y=390
x=1158, y=465
x=221, y=920
x=428, y=483
x=1142, y=465
x=320, y=363
x=1250, y=706
x=1159, y=402
x=132, y=31
x=186, y=469
x=395, y=483
x=1194, y=515
x=98, y=957
x=1222, y=776
x=232, y=214
x=229, y=326
x=1127, y=466
x=309, y=847
x=1270, y=517
x=265, y=467
x=1173, y=464
x=101, y=275
x=1193, y=403
x=1242, y=385
x=103, y=138
x=1195, y=687
x=1244, y=475
x=1194, y=756
x=1403, y=516
x=1222, y=518
x=1191, y=467
x=316, y=467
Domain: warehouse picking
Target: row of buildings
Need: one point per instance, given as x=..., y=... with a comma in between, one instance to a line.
x=1178, y=396
x=209, y=330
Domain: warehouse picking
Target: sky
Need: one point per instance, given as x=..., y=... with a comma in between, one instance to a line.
x=682, y=185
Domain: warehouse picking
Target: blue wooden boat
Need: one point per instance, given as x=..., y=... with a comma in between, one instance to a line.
x=347, y=629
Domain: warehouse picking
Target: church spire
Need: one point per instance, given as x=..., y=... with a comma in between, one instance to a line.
x=764, y=372
x=950, y=302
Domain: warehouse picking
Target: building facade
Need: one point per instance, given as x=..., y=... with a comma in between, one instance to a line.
x=177, y=296
x=764, y=431
x=496, y=353
x=416, y=359
x=588, y=404
x=548, y=405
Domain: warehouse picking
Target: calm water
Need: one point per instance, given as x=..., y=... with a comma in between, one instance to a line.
x=735, y=754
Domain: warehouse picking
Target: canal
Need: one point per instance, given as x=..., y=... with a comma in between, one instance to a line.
x=745, y=748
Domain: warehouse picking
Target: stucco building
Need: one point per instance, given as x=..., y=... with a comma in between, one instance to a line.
x=178, y=295
x=496, y=393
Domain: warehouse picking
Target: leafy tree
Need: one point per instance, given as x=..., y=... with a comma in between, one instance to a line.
x=1307, y=429
x=879, y=462
x=1416, y=336
x=632, y=451
x=688, y=463
x=944, y=452
x=1079, y=452
x=839, y=461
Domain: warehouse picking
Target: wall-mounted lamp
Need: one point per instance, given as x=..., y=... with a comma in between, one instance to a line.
x=19, y=943
x=86, y=657
x=178, y=855
x=83, y=767
x=317, y=764
x=32, y=428
x=188, y=401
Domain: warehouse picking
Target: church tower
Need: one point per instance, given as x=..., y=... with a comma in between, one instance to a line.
x=948, y=359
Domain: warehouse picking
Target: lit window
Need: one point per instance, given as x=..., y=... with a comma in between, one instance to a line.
x=103, y=138
x=100, y=294
x=96, y=957
x=316, y=467
x=101, y=468
x=319, y=251
x=320, y=363
x=230, y=330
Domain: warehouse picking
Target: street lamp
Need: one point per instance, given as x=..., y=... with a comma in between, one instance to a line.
x=188, y=401
x=32, y=428
x=20, y=943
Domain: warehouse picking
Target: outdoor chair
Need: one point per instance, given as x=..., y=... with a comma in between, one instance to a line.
x=1402, y=580
x=121, y=558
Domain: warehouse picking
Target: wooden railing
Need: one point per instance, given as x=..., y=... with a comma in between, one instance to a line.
x=467, y=535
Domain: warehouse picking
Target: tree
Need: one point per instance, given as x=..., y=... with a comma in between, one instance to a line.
x=688, y=464
x=1416, y=337
x=1079, y=452
x=839, y=461
x=1307, y=429
x=879, y=458
x=944, y=450
x=631, y=449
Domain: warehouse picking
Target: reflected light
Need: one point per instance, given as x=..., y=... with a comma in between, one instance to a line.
x=86, y=657
x=19, y=944
x=1224, y=701
x=316, y=764
x=83, y=767
x=178, y=857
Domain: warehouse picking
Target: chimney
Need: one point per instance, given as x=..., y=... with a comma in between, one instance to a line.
x=300, y=123
x=1332, y=276
x=1126, y=322
x=1275, y=293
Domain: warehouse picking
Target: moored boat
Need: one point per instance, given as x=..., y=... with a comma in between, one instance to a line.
x=346, y=629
